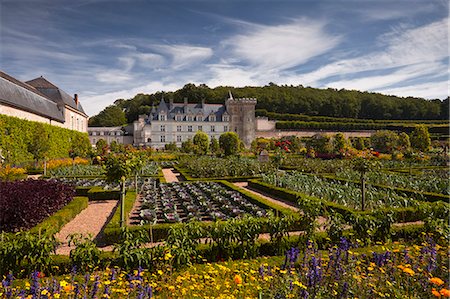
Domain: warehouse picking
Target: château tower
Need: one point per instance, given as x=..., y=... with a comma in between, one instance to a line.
x=243, y=121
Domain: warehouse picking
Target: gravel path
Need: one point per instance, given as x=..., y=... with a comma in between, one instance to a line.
x=90, y=221
x=171, y=176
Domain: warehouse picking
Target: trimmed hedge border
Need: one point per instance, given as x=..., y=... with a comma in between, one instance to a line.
x=55, y=222
x=98, y=193
x=188, y=177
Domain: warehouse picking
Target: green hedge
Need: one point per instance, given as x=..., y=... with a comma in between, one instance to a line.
x=342, y=126
x=55, y=222
x=98, y=193
x=315, y=118
x=184, y=172
x=16, y=133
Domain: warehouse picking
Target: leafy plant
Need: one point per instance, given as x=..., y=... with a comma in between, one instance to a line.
x=86, y=255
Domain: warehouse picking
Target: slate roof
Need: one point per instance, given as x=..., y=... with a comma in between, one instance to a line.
x=25, y=97
x=54, y=93
x=190, y=109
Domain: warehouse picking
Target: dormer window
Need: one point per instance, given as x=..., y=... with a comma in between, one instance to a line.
x=189, y=118
x=199, y=118
x=162, y=117
x=226, y=118
x=179, y=117
x=212, y=118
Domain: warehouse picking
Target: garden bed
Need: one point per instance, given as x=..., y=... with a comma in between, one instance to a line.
x=202, y=201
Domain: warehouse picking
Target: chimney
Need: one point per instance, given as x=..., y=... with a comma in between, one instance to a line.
x=75, y=98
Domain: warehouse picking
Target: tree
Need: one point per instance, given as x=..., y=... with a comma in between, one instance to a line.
x=111, y=116
x=403, y=141
x=214, y=145
x=79, y=147
x=339, y=142
x=363, y=166
x=118, y=168
x=187, y=146
x=201, y=142
x=321, y=143
x=101, y=147
x=420, y=138
x=39, y=145
x=384, y=141
x=229, y=143
x=172, y=147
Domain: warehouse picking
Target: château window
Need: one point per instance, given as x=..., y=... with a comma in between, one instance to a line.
x=179, y=138
x=149, y=140
x=93, y=141
x=178, y=128
x=179, y=118
x=200, y=128
x=212, y=118
x=189, y=118
x=189, y=128
x=163, y=138
x=225, y=128
x=213, y=128
x=226, y=118
x=162, y=117
x=163, y=128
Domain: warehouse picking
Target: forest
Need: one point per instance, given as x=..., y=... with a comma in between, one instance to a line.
x=285, y=99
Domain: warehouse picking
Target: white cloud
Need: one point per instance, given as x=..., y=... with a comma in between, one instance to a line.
x=282, y=46
x=400, y=75
x=93, y=104
x=430, y=90
x=112, y=76
x=185, y=55
x=422, y=45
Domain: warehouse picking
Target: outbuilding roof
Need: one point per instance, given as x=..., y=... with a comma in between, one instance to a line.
x=25, y=97
x=55, y=94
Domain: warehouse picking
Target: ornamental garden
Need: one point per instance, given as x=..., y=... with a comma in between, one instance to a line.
x=320, y=217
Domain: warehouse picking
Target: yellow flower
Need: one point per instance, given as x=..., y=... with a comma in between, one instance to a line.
x=45, y=292
x=408, y=271
x=299, y=284
x=167, y=256
x=63, y=283
x=237, y=279
x=436, y=281
x=57, y=295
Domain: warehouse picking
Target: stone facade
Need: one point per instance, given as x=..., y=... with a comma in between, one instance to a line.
x=177, y=122
x=121, y=135
x=41, y=101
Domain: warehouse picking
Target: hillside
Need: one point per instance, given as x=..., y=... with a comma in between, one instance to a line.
x=294, y=100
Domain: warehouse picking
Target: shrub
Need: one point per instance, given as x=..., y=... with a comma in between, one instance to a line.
x=26, y=203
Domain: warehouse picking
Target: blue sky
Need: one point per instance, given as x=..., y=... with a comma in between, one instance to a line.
x=105, y=50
